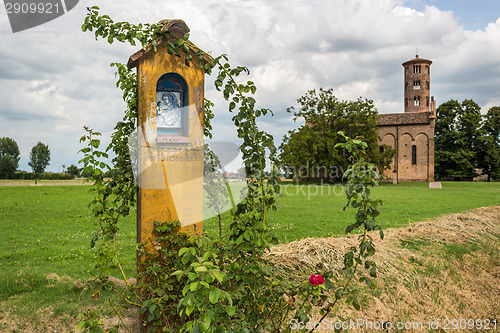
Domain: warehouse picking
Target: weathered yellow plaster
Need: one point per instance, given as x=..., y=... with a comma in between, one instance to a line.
x=184, y=169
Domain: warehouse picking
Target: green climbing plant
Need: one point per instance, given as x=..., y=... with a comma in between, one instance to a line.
x=191, y=283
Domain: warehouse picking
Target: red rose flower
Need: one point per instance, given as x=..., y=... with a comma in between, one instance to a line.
x=316, y=279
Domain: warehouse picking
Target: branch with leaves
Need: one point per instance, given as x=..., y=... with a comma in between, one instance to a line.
x=193, y=283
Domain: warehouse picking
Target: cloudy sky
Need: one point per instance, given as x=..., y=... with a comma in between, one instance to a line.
x=54, y=78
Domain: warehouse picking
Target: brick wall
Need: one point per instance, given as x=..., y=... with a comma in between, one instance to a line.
x=402, y=131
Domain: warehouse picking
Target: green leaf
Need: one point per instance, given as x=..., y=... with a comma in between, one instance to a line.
x=213, y=296
x=206, y=322
x=371, y=250
x=164, y=228
x=200, y=269
x=193, y=286
x=355, y=303
x=189, y=309
x=183, y=250
x=381, y=234
x=373, y=272
x=231, y=310
x=218, y=275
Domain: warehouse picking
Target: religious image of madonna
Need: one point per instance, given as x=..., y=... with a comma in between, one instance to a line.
x=168, y=109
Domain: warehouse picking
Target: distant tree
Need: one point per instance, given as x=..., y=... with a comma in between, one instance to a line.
x=73, y=169
x=488, y=155
x=457, y=139
x=63, y=168
x=39, y=158
x=241, y=172
x=310, y=151
x=9, y=157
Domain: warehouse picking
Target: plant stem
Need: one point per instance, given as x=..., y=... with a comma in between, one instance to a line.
x=331, y=306
x=121, y=269
x=121, y=319
x=305, y=298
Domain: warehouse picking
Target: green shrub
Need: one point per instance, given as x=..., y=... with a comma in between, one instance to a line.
x=66, y=176
x=45, y=175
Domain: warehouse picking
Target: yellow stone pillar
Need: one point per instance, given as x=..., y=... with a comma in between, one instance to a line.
x=170, y=136
x=168, y=153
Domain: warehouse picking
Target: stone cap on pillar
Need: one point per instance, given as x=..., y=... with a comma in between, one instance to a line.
x=176, y=29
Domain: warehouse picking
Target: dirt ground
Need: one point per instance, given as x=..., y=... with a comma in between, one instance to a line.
x=430, y=274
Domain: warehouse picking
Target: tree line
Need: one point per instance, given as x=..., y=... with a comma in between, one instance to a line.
x=10, y=156
x=467, y=144
x=39, y=160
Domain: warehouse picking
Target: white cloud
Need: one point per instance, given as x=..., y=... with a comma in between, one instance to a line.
x=405, y=11
x=54, y=78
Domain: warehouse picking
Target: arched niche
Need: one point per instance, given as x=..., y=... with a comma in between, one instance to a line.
x=172, y=111
x=389, y=139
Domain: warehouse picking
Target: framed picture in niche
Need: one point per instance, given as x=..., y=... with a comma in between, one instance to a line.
x=168, y=113
x=172, y=111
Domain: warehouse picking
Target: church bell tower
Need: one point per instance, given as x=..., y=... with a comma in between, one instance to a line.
x=417, y=85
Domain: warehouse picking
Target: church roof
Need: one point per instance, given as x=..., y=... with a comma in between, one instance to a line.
x=408, y=118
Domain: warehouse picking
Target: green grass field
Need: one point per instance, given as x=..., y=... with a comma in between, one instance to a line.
x=47, y=229
x=316, y=211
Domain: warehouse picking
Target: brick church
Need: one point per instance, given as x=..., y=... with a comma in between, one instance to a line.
x=412, y=133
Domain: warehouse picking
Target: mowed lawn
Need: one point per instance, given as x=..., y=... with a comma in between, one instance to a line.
x=47, y=229
x=316, y=211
